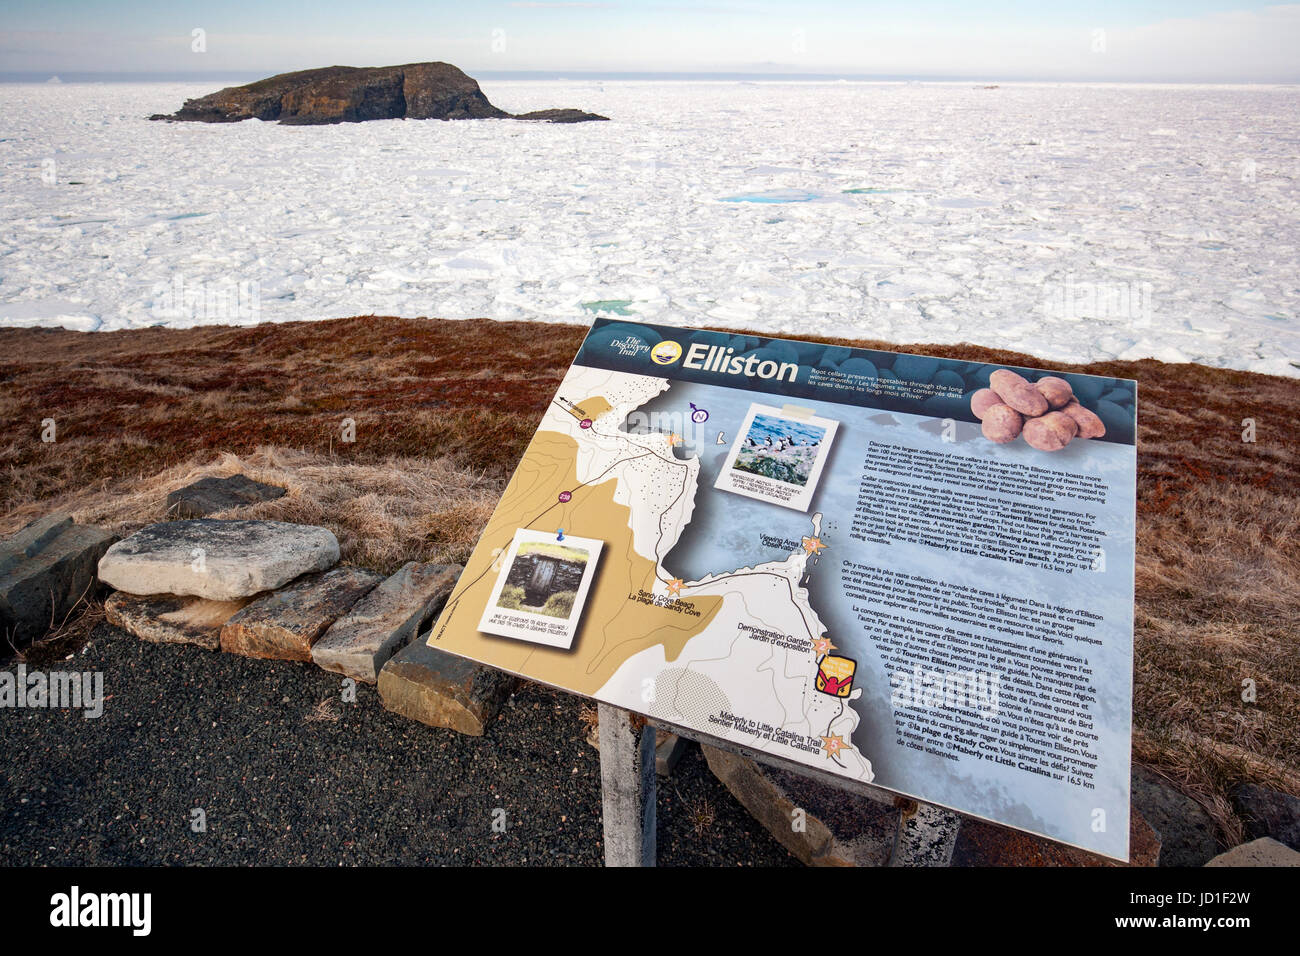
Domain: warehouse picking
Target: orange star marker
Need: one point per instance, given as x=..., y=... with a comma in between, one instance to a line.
x=674, y=439
x=675, y=587
x=813, y=545
x=833, y=745
x=823, y=645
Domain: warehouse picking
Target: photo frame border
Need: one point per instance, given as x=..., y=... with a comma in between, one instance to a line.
x=594, y=546
x=802, y=501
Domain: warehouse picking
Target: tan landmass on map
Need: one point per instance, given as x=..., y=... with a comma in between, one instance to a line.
x=613, y=627
x=591, y=408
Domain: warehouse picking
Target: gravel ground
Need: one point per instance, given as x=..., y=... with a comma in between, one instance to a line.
x=243, y=740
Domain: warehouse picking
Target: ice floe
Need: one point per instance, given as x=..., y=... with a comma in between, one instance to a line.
x=1074, y=222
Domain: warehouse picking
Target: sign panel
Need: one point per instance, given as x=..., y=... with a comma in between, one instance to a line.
x=909, y=571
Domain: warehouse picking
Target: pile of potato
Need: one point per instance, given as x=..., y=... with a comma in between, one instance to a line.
x=1045, y=412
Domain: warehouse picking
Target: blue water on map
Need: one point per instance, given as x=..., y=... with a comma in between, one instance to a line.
x=728, y=531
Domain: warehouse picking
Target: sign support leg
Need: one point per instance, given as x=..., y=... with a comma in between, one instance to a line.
x=926, y=836
x=627, y=785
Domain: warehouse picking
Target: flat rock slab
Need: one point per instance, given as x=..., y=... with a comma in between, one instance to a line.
x=210, y=495
x=561, y=116
x=284, y=624
x=442, y=690
x=838, y=828
x=1262, y=852
x=217, y=560
x=45, y=569
x=168, y=619
x=669, y=749
x=360, y=643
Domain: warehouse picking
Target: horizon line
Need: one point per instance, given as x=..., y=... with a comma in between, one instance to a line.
x=92, y=76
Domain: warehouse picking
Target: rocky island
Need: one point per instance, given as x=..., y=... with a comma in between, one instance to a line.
x=350, y=94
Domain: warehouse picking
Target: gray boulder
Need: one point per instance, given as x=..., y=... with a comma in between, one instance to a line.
x=379, y=625
x=210, y=495
x=1269, y=813
x=1187, y=832
x=45, y=569
x=217, y=560
x=284, y=624
x=1262, y=852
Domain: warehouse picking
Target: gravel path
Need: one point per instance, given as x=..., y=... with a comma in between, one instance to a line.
x=244, y=740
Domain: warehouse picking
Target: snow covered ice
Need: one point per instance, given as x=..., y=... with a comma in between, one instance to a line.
x=1074, y=222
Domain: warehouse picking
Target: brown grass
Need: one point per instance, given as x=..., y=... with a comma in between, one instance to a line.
x=127, y=404
x=589, y=719
x=63, y=640
x=444, y=409
x=699, y=813
x=325, y=711
x=384, y=513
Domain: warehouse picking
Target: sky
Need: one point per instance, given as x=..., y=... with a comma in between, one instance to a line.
x=1157, y=40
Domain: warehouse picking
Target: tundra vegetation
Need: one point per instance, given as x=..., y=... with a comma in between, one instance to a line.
x=442, y=411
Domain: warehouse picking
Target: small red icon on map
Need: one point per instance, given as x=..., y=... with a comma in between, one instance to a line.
x=835, y=675
x=585, y=423
x=565, y=496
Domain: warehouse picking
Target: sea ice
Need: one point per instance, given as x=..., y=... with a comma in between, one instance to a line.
x=1074, y=222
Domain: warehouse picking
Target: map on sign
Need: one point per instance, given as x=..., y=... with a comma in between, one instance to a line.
x=820, y=552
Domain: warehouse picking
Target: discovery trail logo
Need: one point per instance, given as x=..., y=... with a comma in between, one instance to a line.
x=630, y=346
x=666, y=353
x=75, y=909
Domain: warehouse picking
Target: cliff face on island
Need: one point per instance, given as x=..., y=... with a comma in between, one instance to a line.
x=349, y=94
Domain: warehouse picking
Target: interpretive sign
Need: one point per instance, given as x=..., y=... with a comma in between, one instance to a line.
x=913, y=572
